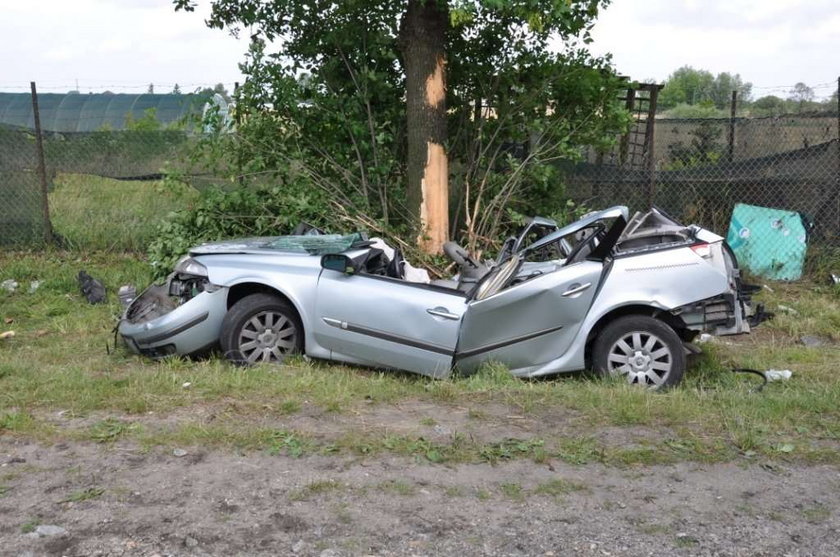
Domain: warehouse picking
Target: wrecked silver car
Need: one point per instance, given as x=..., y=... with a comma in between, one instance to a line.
x=623, y=296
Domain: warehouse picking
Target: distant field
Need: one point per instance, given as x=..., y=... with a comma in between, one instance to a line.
x=94, y=213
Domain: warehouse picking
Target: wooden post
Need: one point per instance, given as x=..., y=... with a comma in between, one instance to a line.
x=42, y=167
x=649, y=136
x=731, y=136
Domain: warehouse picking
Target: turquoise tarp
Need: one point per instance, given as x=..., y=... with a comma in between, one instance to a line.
x=768, y=242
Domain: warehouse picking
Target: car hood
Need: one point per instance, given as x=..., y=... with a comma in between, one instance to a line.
x=239, y=245
x=311, y=245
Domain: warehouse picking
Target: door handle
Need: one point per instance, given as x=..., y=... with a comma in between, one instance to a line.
x=443, y=312
x=576, y=289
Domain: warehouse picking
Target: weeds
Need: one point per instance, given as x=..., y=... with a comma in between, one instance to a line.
x=315, y=489
x=30, y=525
x=84, y=495
x=109, y=430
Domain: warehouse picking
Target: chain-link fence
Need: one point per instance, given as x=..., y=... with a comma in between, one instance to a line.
x=699, y=170
x=124, y=157
x=771, y=185
x=21, y=200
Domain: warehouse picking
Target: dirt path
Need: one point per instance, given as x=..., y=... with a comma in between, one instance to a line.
x=218, y=503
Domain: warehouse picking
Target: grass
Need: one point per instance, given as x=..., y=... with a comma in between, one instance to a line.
x=58, y=363
x=84, y=495
x=95, y=213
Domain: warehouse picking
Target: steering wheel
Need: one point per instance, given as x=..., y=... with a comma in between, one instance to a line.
x=469, y=267
x=597, y=235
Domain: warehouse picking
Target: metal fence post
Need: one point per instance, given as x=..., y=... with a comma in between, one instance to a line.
x=731, y=136
x=42, y=167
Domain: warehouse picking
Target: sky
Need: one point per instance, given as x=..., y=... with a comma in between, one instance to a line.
x=123, y=45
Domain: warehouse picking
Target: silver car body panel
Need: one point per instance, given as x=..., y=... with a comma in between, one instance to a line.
x=387, y=322
x=191, y=327
x=529, y=323
x=539, y=324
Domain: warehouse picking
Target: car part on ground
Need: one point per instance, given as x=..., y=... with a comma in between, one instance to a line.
x=615, y=293
x=92, y=289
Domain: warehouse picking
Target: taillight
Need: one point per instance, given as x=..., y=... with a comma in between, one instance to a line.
x=704, y=250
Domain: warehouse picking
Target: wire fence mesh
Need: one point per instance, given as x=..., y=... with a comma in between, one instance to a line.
x=701, y=171
x=770, y=185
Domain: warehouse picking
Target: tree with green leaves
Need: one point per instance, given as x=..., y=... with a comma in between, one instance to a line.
x=689, y=86
x=433, y=93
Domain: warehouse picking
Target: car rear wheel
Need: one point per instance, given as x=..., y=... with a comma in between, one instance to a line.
x=643, y=350
x=261, y=328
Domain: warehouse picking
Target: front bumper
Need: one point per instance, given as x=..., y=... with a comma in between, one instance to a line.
x=189, y=328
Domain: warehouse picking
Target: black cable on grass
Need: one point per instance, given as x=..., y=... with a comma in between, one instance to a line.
x=756, y=372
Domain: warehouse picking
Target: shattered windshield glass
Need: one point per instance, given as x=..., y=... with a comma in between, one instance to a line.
x=314, y=245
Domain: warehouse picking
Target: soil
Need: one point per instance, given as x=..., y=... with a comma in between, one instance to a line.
x=220, y=503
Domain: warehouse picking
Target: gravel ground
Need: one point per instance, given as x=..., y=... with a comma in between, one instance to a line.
x=86, y=499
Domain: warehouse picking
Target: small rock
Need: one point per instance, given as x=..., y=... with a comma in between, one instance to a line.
x=187, y=385
x=812, y=341
x=440, y=430
x=179, y=452
x=34, y=285
x=9, y=285
x=49, y=530
x=189, y=541
x=329, y=553
x=299, y=546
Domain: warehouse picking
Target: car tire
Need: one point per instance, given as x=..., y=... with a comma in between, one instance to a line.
x=644, y=350
x=261, y=328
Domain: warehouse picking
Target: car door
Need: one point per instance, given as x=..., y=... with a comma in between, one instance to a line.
x=529, y=323
x=387, y=322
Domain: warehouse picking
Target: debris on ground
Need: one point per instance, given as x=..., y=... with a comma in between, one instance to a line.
x=34, y=285
x=179, y=452
x=768, y=289
x=9, y=285
x=7, y=334
x=8, y=320
x=92, y=289
x=813, y=341
x=704, y=338
x=126, y=294
x=787, y=309
x=778, y=374
x=835, y=278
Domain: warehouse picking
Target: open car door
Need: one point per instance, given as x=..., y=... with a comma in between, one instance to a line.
x=530, y=323
x=533, y=318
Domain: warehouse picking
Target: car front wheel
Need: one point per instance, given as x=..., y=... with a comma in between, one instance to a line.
x=643, y=350
x=261, y=328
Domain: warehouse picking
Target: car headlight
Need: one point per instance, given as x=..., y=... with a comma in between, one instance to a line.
x=189, y=266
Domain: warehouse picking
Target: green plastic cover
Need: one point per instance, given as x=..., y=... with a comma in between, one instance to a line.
x=75, y=112
x=768, y=242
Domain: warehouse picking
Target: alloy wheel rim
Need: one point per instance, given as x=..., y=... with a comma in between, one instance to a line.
x=268, y=336
x=642, y=358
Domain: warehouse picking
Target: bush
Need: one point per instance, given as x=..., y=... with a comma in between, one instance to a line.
x=218, y=214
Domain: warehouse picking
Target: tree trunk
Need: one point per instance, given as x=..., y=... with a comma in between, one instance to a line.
x=421, y=42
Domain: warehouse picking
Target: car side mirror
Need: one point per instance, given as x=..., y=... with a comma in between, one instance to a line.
x=339, y=262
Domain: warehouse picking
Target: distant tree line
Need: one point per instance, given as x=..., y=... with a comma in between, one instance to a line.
x=693, y=93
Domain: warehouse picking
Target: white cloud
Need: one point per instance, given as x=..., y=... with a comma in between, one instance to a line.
x=769, y=42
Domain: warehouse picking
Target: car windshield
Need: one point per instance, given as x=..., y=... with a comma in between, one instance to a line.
x=315, y=244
